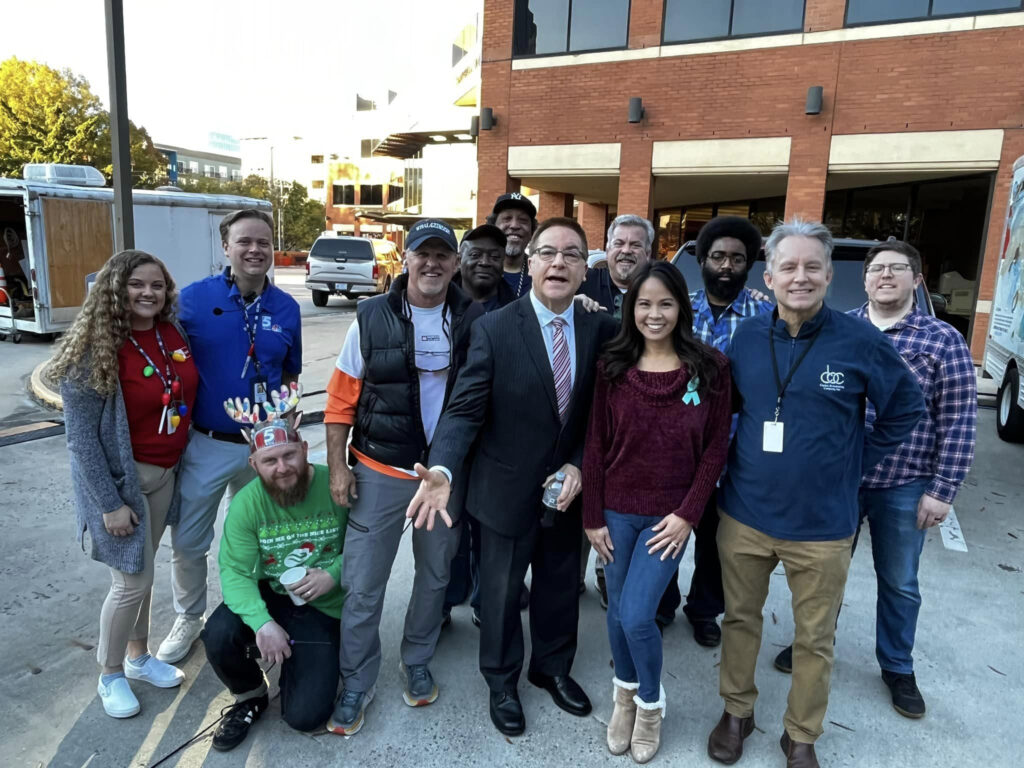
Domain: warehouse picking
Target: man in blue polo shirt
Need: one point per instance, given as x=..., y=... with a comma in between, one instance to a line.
x=246, y=337
x=802, y=377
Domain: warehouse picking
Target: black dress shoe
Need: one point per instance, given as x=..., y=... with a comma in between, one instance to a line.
x=507, y=713
x=784, y=661
x=707, y=633
x=524, y=598
x=565, y=692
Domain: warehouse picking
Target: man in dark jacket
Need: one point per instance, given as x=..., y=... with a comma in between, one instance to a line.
x=523, y=400
x=392, y=380
x=630, y=240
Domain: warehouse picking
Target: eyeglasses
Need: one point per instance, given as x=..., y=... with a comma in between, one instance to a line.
x=896, y=269
x=718, y=258
x=570, y=255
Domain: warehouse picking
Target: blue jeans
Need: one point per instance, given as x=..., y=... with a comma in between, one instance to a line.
x=636, y=582
x=896, y=544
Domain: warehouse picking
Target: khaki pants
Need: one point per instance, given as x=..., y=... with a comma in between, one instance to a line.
x=125, y=613
x=816, y=572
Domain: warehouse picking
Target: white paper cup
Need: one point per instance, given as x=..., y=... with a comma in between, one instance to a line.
x=290, y=578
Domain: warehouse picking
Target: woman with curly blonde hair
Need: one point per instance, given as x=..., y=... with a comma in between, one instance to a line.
x=128, y=383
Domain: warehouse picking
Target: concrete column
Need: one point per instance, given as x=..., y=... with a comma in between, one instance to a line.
x=592, y=217
x=554, y=204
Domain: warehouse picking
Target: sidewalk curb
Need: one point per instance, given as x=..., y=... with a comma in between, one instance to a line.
x=43, y=392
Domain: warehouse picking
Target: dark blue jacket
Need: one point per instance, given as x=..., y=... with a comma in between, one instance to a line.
x=809, y=491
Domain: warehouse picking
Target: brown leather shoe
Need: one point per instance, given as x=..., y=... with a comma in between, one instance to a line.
x=798, y=754
x=725, y=744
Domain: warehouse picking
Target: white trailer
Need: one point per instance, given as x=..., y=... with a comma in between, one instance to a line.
x=66, y=233
x=1004, y=347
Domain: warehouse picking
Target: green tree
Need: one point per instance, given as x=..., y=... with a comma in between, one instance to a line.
x=51, y=116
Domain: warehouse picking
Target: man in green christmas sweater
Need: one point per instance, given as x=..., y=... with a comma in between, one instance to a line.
x=283, y=521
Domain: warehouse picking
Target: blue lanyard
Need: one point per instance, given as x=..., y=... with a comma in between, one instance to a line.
x=250, y=330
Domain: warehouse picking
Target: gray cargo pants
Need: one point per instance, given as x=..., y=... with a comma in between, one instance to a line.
x=375, y=522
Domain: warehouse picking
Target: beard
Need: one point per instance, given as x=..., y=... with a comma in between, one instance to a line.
x=515, y=251
x=723, y=285
x=288, y=497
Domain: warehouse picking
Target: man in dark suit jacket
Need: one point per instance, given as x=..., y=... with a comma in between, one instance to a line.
x=523, y=401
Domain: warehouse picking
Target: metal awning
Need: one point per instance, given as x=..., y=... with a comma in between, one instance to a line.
x=408, y=219
x=406, y=145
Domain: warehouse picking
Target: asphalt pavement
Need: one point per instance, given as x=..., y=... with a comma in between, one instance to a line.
x=968, y=655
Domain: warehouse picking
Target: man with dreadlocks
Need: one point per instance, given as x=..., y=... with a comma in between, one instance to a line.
x=392, y=380
x=283, y=528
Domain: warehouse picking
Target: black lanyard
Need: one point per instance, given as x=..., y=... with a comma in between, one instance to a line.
x=780, y=385
x=165, y=380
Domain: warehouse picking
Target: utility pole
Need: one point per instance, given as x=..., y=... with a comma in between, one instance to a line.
x=120, y=140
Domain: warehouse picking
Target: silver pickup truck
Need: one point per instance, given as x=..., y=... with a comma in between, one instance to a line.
x=350, y=267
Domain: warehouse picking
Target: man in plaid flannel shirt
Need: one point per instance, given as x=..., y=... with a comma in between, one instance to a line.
x=912, y=489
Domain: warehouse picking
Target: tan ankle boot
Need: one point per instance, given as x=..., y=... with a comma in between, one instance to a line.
x=620, y=727
x=647, y=728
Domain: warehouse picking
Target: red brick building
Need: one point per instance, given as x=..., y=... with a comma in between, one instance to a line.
x=921, y=118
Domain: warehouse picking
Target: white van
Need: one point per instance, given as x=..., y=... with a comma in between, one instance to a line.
x=1004, y=347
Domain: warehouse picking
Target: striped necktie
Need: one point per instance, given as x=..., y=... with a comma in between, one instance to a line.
x=561, y=368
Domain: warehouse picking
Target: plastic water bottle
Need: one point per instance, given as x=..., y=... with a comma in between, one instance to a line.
x=553, y=490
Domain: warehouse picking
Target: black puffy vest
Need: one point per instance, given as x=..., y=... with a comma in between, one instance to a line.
x=388, y=427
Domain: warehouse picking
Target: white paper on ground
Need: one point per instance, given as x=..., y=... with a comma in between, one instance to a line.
x=952, y=536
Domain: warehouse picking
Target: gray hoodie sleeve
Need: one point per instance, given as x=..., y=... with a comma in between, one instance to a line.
x=83, y=409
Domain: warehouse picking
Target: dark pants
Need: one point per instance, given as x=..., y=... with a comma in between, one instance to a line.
x=464, y=580
x=309, y=679
x=554, y=555
x=705, y=600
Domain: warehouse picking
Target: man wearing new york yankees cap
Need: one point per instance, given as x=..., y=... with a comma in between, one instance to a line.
x=516, y=217
x=391, y=382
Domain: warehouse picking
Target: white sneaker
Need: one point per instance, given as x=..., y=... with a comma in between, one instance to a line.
x=154, y=672
x=179, y=640
x=117, y=697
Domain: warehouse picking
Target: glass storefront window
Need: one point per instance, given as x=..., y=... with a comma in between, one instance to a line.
x=688, y=20
x=559, y=26
x=881, y=11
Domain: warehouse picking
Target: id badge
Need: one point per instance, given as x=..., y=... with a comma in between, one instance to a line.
x=772, y=442
x=259, y=390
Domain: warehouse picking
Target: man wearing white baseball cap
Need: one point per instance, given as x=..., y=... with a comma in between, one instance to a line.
x=280, y=568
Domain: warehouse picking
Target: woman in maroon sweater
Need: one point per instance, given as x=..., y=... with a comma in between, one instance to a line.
x=657, y=442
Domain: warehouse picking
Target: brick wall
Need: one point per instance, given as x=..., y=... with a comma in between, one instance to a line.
x=592, y=218
x=554, y=204
x=824, y=14
x=645, y=18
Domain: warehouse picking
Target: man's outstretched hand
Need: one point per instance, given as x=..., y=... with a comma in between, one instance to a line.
x=431, y=498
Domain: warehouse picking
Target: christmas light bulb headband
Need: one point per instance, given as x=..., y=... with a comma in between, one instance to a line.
x=281, y=424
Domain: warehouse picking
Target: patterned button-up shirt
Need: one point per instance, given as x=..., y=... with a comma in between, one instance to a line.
x=941, y=447
x=718, y=333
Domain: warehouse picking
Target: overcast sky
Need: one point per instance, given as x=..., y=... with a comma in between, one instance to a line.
x=243, y=68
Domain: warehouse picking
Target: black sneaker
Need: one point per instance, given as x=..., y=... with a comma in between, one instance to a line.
x=235, y=724
x=784, y=661
x=906, y=698
x=707, y=633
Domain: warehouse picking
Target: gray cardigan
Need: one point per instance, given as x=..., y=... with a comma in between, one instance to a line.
x=103, y=472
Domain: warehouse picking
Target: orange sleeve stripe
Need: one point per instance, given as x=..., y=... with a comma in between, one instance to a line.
x=342, y=397
x=376, y=466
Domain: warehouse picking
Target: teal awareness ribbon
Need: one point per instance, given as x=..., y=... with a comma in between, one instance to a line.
x=691, y=397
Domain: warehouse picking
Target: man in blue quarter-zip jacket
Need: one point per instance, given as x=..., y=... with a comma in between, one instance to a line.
x=802, y=377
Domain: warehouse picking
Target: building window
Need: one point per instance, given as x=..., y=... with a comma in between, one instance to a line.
x=316, y=159
x=395, y=192
x=543, y=27
x=318, y=183
x=222, y=171
x=413, y=187
x=366, y=147
x=878, y=11
x=371, y=194
x=689, y=20
x=344, y=194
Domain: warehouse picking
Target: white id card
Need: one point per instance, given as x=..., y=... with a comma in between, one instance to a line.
x=772, y=437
